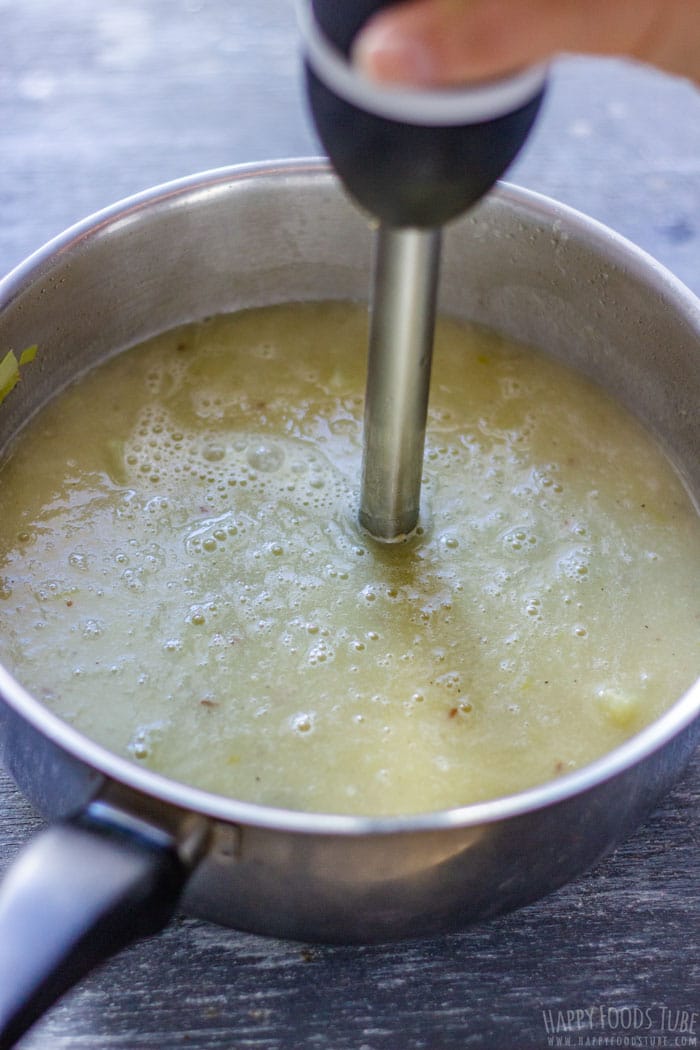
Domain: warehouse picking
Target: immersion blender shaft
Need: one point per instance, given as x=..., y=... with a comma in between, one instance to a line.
x=398, y=379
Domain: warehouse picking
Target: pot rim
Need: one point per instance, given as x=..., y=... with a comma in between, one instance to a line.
x=678, y=717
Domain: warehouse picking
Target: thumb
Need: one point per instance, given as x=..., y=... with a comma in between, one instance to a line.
x=441, y=42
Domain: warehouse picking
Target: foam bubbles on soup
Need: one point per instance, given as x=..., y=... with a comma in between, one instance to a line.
x=182, y=576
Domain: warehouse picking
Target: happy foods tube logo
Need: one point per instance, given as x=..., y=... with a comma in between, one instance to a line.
x=622, y=1026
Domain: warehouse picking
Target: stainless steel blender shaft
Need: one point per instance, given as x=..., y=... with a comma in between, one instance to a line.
x=398, y=379
x=414, y=159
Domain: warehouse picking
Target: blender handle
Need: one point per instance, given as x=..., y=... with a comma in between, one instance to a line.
x=413, y=157
x=341, y=22
x=79, y=892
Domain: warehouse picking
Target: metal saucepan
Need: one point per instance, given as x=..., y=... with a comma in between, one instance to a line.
x=129, y=846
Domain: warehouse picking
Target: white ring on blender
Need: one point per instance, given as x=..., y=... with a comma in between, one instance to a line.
x=436, y=107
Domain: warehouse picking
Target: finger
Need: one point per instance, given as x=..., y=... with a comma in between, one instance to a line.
x=453, y=41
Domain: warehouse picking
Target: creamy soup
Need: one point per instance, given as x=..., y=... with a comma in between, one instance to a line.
x=183, y=579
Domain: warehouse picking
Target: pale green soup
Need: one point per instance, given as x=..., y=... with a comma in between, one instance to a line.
x=182, y=576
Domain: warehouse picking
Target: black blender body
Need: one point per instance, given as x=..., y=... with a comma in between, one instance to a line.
x=420, y=170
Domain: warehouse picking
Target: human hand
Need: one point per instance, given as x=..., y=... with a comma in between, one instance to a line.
x=445, y=42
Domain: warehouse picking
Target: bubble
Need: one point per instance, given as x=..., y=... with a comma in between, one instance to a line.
x=519, y=539
x=153, y=558
x=344, y=427
x=213, y=453
x=142, y=742
x=266, y=457
x=133, y=579
x=159, y=508
x=451, y=680
x=92, y=628
x=575, y=564
x=320, y=654
x=303, y=722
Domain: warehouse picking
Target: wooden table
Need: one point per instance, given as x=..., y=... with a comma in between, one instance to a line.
x=99, y=100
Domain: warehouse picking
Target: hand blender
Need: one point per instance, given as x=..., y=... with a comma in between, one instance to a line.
x=414, y=159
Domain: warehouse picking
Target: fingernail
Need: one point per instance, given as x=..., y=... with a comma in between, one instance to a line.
x=383, y=53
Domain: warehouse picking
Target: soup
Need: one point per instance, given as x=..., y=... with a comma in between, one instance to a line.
x=182, y=576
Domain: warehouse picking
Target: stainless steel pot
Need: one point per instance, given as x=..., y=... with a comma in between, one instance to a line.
x=129, y=846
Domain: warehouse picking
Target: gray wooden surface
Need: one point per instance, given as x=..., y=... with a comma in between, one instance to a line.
x=102, y=98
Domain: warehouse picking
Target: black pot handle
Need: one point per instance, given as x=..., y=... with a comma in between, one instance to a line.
x=79, y=892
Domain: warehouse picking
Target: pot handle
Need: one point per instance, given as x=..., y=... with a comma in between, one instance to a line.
x=79, y=892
